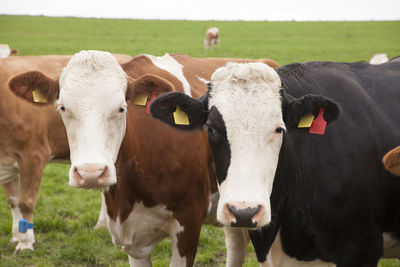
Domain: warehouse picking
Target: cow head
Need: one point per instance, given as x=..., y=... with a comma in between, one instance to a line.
x=391, y=161
x=91, y=96
x=244, y=115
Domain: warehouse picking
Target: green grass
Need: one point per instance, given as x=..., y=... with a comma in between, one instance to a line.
x=64, y=216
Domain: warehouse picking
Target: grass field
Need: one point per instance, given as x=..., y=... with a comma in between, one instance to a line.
x=64, y=216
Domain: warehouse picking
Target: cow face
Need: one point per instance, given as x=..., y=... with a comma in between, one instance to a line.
x=93, y=108
x=243, y=113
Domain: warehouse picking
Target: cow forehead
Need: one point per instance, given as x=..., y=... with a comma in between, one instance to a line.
x=247, y=96
x=91, y=74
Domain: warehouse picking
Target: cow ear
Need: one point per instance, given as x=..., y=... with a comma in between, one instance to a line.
x=144, y=89
x=391, y=161
x=295, y=109
x=35, y=87
x=180, y=111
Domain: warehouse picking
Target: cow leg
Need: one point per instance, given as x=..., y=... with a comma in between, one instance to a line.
x=9, y=175
x=146, y=262
x=31, y=169
x=185, y=240
x=102, y=221
x=236, y=240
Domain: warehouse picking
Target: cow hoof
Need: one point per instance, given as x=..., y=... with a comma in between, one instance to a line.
x=100, y=226
x=22, y=246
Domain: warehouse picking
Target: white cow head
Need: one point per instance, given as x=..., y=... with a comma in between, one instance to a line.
x=243, y=113
x=93, y=108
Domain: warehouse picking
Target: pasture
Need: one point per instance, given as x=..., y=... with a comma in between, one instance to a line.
x=64, y=216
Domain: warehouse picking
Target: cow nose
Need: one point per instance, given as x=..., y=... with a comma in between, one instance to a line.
x=91, y=175
x=244, y=214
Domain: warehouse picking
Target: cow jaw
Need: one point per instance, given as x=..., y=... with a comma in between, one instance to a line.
x=93, y=108
x=247, y=97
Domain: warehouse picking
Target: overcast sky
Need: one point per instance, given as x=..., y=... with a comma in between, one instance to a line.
x=210, y=9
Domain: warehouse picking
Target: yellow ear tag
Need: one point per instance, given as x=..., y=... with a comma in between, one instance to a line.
x=306, y=121
x=180, y=117
x=38, y=97
x=140, y=99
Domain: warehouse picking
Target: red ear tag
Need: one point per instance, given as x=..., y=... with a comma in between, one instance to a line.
x=319, y=124
x=153, y=95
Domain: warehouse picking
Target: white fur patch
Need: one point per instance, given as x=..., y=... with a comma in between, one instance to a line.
x=5, y=50
x=172, y=66
x=247, y=96
x=277, y=258
x=142, y=230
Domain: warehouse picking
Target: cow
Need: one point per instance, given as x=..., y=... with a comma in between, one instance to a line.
x=298, y=157
x=5, y=51
x=157, y=181
x=29, y=137
x=212, y=38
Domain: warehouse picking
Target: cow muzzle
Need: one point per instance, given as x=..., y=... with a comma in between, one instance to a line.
x=91, y=176
x=242, y=214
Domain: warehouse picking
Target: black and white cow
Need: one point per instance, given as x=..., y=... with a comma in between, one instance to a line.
x=321, y=190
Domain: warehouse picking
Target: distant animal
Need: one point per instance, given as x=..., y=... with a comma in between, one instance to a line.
x=157, y=181
x=298, y=156
x=212, y=38
x=378, y=59
x=5, y=51
x=30, y=137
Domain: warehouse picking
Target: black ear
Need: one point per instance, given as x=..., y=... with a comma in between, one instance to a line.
x=294, y=109
x=164, y=106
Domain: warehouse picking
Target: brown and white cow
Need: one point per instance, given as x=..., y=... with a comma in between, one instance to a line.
x=157, y=181
x=212, y=38
x=29, y=137
x=6, y=51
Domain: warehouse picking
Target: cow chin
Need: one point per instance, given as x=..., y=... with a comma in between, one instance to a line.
x=88, y=176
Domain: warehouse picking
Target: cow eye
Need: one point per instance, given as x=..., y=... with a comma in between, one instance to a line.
x=121, y=110
x=210, y=129
x=61, y=107
x=279, y=130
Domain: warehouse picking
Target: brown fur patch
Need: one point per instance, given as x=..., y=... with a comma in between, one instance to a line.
x=391, y=161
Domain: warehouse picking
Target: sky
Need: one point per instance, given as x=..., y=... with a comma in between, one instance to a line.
x=299, y=10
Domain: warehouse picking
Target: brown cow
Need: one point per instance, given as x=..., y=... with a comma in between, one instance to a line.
x=212, y=38
x=29, y=137
x=157, y=180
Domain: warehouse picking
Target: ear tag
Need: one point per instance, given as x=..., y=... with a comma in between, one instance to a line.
x=38, y=97
x=140, y=99
x=306, y=121
x=153, y=95
x=180, y=117
x=319, y=124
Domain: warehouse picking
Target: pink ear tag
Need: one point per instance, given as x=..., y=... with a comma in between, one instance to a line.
x=319, y=124
x=153, y=95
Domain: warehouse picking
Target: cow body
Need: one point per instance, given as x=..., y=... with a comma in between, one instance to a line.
x=29, y=137
x=212, y=38
x=157, y=180
x=331, y=201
